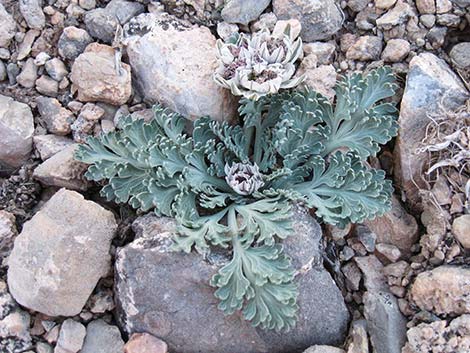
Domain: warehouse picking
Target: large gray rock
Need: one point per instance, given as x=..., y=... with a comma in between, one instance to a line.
x=61, y=254
x=101, y=23
x=320, y=19
x=102, y=338
x=173, y=65
x=16, y=132
x=7, y=29
x=243, y=11
x=385, y=323
x=167, y=294
x=430, y=86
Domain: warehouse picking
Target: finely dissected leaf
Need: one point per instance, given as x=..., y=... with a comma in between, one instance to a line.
x=260, y=280
x=294, y=146
x=345, y=190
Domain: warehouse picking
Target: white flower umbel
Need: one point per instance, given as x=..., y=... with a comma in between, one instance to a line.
x=259, y=65
x=243, y=178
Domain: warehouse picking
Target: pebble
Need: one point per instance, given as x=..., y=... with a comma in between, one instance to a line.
x=32, y=13
x=461, y=230
x=366, y=48
x=3, y=71
x=87, y=4
x=384, y=4
x=27, y=43
x=13, y=71
x=389, y=251
x=47, y=86
x=460, y=55
x=41, y=58
x=396, y=50
x=102, y=338
x=56, y=69
x=325, y=52
x=8, y=27
x=243, y=11
x=29, y=74
x=359, y=342
x=428, y=20
x=145, y=343
x=49, y=145
x=73, y=42
x=57, y=118
x=71, y=337
x=426, y=6
x=8, y=233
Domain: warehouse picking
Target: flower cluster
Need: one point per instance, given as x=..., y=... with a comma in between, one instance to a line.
x=259, y=65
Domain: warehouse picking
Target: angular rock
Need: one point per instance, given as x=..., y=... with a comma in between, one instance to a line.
x=385, y=323
x=63, y=170
x=396, y=50
x=102, y=338
x=396, y=227
x=461, y=230
x=32, y=13
x=358, y=340
x=29, y=74
x=440, y=336
x=25, y=47
x=324, y=52
x=71, y=336
x=72, y=42
x=47, y=86
x=320, y=19
x=145, y=343
x=7, y=29
x=101, y=23
x=61, y=254
x=324, y=349
x=97, y=79
x=57, y=118
x=366, y=48
x=395, y=17
x=430, y=84
x=372, y=269
x=16, y=132
x=174, y=65
x=56, y=69
x=168, y=294
x=243, y=11
x=443, y=290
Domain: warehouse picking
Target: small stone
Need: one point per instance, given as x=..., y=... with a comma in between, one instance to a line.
x=47, y=86
x=366, y=237
x=28, y=75
x=71, y=336
x=321, y=79
x=64, y=83
x=324, y=52
x=460, y=55
x=63, y=170
x=56, y=69
x=448, y=20
x=353, y=275
x=61, y=254
x=97, y=79
x=25, y=47
x=385, y=323
x=426, y=6
x=73, y=42
x=4, y=54
x=87, y=4
x=8, y=234
x=395, y=17
x=443, y=290
x=102, y=302
x=3, y=71
x=461, y=230
x=359, y=342
x=57, y=118
x=443, y=6
x=92, y=112
x=389, y=251
x=102, y=338
x=371, y=267
x=101, y=23
x=357, y=5
x=366, y=48
x=384, y=5
x=281, y=27
x=396, y=50
x=428, y=20
x=42, y=347
x=319, y=19
x=49, y=145
x=52, y=335
x=8, y=27
x=324, y=349
x=13, y=71
x=41, y=58
x=243, y=11
x=225, y=30
x=16, y=132
x=145, y=343
x=32, y=13
x=266, y=21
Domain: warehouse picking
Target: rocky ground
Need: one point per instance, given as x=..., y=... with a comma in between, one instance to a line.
x=78, y=273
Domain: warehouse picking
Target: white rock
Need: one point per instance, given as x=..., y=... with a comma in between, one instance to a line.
x=174, y=66
x=16, y=132
x=61, y=254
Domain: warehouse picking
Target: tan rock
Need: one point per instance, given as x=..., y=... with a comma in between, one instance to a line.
x=57, y=118
x=396, y=50
x=461, y=230
x=321, y=79
x=63, y=170
x=396, y=227
x=174, y=66
x=49, y=145
x=145, y=343
x=443, y=290
x=358, y=340
x=61, y=254
x=426, y=6
x=366, y=48
x=96, y=78
x=372, y=269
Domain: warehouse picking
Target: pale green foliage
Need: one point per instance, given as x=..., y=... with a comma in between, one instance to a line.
x=307, y=150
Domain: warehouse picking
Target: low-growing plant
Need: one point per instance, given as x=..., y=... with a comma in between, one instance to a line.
x=232, y=186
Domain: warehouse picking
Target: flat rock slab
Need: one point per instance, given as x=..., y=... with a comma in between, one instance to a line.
x=167, y=294
x=61, y=254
